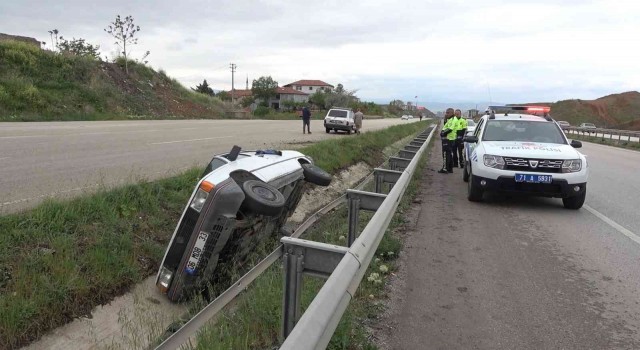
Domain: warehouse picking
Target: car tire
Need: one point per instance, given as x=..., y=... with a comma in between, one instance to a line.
x=316, y=175
x=465, y=172
x=575, y=202
x=474, y=193
x=262, y=198
x=349, y=132
x=328, y=130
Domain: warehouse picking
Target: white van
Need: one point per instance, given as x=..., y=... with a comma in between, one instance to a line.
x=339, y=119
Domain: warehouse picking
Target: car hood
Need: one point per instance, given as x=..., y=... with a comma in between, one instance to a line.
x=530, y=150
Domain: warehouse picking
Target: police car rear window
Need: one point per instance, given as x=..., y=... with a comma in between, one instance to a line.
x=338, y=113
x=522, y=130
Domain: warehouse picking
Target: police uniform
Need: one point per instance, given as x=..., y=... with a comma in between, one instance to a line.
x=448, y=137
x=458, y=147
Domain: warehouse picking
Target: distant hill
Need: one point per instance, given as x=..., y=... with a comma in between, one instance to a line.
x=619, y=111
x=37, y=84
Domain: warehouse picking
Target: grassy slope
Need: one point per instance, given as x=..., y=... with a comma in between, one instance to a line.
x=41, y=85
x=62, y=258
x=612, y=111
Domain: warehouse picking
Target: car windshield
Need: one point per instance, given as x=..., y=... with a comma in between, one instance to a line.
x=589, y=124
x=470, y=122
x=522, y=130
x=338, y=113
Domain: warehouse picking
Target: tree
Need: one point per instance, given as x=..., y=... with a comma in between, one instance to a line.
x=78, y=47
x=224, y=96
x=318, y=98
x=204, y=88
x=124, y=32
x=264, y=88
x=52, y=33
x=340, y=89
x=247, y=101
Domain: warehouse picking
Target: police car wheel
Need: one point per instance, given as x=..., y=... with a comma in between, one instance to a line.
x=328, y=130
x=465, y=172
x=574, y=202
x=262, y=198
x=474, y=193
x=316, y=175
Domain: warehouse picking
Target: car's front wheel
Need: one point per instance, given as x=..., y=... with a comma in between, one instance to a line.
x=575, y=202
x=474, y=192
x=328, y=130
x=262, y=198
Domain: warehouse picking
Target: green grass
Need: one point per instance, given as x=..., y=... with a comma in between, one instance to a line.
x=255, y=321
x=62, y=258
x=39, y=85
x=622, y=143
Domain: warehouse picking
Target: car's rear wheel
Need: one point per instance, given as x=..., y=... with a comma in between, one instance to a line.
x=316, y=175
x=474, y=193
x=575, y=202
x=262, y=198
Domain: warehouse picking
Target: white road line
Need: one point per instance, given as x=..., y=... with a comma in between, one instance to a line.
x=208, y=138
x=613, y=224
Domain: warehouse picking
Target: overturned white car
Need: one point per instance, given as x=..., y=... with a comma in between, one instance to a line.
x=242, y=198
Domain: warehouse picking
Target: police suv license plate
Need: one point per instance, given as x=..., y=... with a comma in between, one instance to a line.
x=534, y=178
x=196, y=253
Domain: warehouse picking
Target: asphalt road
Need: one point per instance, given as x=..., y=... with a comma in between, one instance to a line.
x=63, y=159
x=521, y=273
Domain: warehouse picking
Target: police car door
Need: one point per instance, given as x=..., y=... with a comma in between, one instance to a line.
x=471, y=146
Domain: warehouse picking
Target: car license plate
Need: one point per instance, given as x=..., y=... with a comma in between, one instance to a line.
x=534, y=178
x=196, y=253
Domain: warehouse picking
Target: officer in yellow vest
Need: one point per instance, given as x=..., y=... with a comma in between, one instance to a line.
x=458, y=147
x=448, y=137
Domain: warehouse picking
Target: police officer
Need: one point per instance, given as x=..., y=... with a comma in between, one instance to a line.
x=447, y=136
x=461, y=130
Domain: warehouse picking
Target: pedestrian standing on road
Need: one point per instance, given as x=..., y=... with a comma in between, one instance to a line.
x=306, y=119
x=461, y=130
x=445, y=134
x=420, y=116
x=357, y=119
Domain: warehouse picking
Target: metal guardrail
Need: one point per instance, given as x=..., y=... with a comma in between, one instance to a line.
x=611, y=134
x=344, y=268
x=189, y=329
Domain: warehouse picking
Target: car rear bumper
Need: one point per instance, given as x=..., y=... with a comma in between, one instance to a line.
x=559, y=188
x=338, y=126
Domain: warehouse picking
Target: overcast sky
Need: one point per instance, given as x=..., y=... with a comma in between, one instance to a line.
x=447, y=51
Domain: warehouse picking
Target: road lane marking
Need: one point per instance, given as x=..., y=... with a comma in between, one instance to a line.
x=613, y=224
x=191, y=140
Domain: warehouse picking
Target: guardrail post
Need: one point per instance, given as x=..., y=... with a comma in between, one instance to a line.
x=383, y=176
x=398, y=163
x=360, y=200
x=412, y=148
x=304, y=257
x=406, y=154
x=293, y=260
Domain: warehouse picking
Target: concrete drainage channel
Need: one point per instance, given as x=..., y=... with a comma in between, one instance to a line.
x=343, y=267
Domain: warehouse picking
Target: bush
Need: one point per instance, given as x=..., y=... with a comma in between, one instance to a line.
x=261, y=111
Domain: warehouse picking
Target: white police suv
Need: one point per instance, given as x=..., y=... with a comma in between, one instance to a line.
x=520, y=149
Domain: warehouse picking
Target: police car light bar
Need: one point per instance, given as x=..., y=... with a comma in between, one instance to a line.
x=545, y=109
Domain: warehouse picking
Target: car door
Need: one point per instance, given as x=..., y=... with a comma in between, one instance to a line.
x=470, y=146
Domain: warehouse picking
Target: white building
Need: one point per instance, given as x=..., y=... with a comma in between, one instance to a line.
x=310, y=86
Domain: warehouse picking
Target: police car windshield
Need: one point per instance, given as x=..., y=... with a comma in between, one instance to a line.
x=338, y=113
x=523, y=130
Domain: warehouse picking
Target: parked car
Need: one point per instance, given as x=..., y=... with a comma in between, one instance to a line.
x=243, y=198
x=564, y=125
x=588, y=126
x=406, y=117
x=524, y=154
x=471, y=126
x=338, y=118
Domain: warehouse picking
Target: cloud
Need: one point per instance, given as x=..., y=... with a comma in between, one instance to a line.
x=443, y=50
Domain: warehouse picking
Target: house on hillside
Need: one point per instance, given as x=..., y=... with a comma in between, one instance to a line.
x=282, y=94
x=310, y=86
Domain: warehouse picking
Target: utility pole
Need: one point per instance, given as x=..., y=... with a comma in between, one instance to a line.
x=233, y=70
